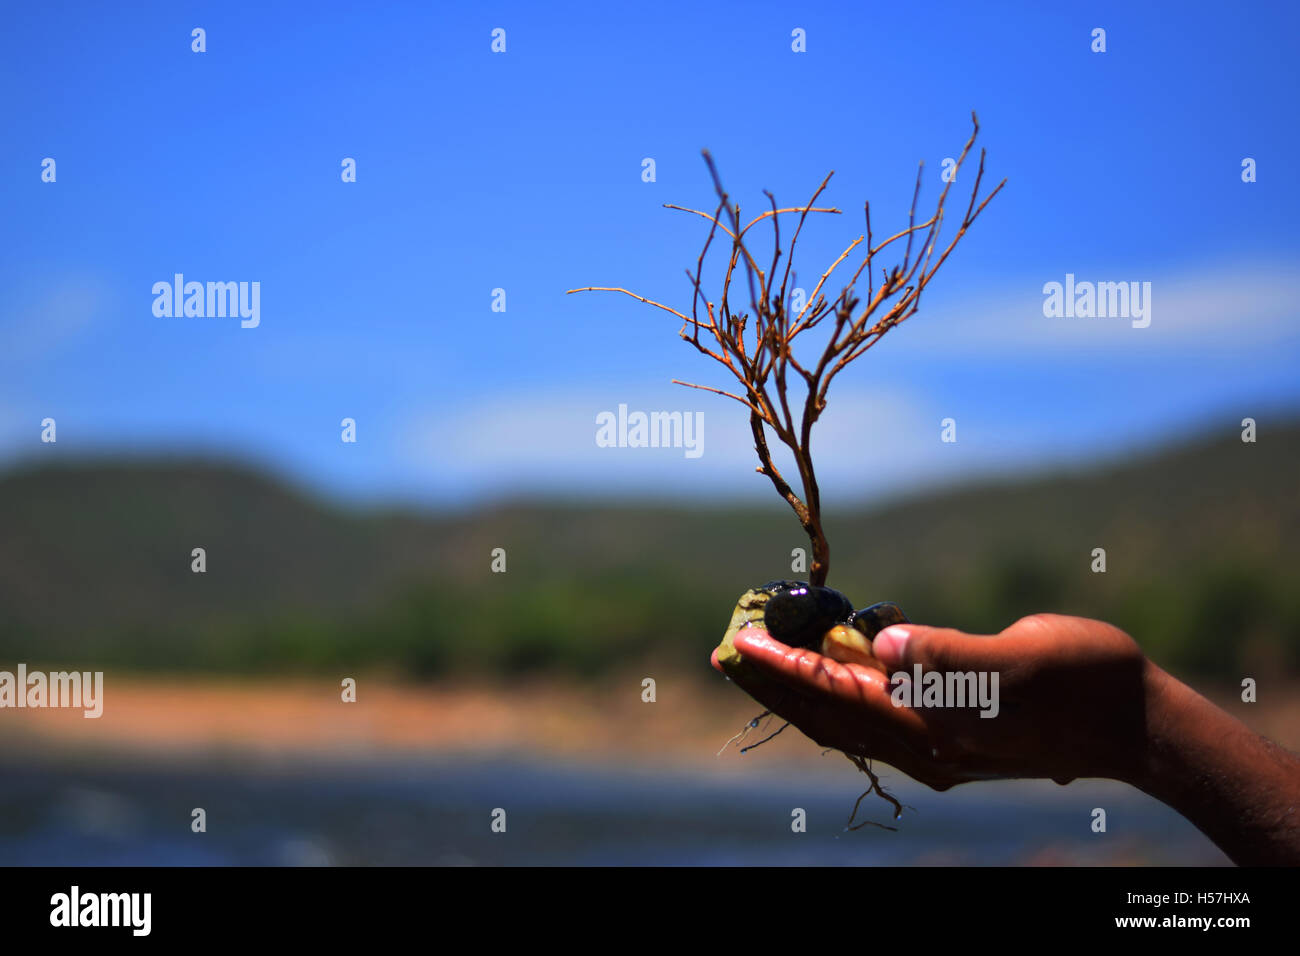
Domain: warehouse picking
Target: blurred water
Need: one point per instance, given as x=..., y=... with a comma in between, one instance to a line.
x=425, y=812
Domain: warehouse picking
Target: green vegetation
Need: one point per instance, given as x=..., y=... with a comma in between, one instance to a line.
x=1201, y=545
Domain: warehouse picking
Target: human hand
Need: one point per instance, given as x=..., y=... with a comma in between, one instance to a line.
x=1072, y=698
x=1076, y=698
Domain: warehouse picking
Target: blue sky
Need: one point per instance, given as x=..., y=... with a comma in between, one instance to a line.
x=522, y=171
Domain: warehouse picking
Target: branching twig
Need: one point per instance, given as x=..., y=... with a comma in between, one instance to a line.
x=762, y=366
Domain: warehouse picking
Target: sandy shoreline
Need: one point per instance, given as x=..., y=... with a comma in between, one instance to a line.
x=688, y=721
x=687, y=724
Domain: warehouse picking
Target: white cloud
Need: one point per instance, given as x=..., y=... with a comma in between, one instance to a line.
x=873, y=439
x=41, y=320
x=1211, y=310
x=868, y=441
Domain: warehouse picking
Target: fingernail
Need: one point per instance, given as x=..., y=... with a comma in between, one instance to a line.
x=889, y=644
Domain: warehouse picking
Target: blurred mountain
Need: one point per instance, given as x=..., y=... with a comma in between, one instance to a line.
x=95, y=568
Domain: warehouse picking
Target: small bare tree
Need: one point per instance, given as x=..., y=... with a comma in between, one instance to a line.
x=756, y=345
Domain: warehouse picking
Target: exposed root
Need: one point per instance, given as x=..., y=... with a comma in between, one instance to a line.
x=864, y=765
x=767, y=738
x=744, y=732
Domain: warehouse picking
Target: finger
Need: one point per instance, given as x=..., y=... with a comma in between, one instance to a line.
x=811, y=675
x=825, y=724
x=804, y=669
x=787, y=705
x=903, y=646
x=771, y=689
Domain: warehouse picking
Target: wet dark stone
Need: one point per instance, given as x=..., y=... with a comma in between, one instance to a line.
x=799, y=614
x=872, y=620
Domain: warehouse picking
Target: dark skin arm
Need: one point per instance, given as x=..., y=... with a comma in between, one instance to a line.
x=1077, y=699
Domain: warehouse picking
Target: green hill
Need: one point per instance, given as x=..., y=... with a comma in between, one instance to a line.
x=1201, y=545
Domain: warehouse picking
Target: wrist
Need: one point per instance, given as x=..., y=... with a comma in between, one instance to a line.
x=1238, y=788
x=1169, y=718
x=1145, y=733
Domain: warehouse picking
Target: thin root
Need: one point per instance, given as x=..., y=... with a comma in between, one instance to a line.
x=862, y=764
x=767, y=738
x=744, y=732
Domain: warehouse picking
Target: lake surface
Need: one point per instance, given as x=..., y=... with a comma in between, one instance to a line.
x=439, y=812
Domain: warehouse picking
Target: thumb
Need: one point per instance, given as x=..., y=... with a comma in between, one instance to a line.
x=902, y=646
